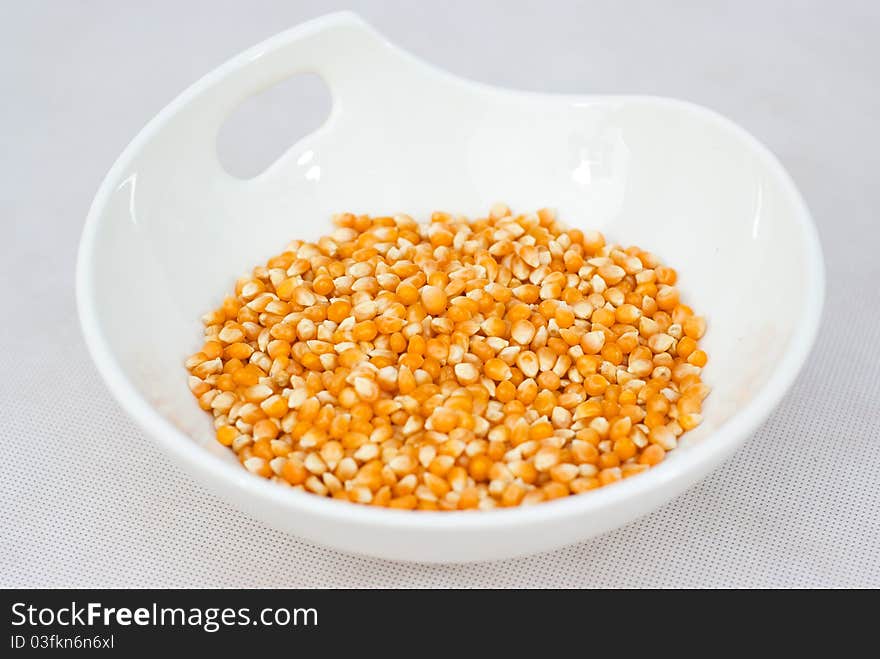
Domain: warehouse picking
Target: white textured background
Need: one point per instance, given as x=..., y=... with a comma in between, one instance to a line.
x=86, y=499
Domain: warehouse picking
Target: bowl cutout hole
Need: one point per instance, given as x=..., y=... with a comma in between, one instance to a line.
x=260, y=130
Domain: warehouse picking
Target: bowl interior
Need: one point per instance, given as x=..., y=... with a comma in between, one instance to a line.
x=175, y=231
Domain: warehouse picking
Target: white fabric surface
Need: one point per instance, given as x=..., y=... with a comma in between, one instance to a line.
x=87, y=500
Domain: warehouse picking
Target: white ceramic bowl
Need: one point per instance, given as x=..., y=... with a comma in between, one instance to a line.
x=169, y=231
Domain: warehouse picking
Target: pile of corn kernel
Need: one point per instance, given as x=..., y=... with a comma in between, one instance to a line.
x=459, y=364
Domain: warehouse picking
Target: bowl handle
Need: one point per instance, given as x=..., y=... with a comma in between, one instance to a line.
x=339, y=47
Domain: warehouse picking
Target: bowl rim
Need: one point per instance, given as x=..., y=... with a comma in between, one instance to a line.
x=697, y=459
